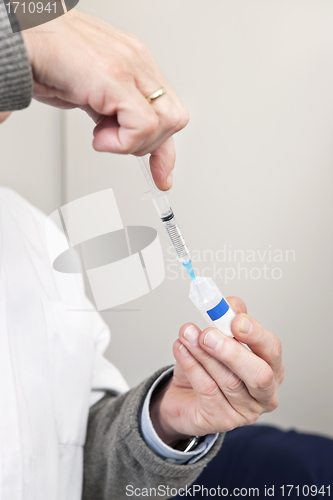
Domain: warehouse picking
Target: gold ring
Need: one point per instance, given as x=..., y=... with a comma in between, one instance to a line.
x=156, y=94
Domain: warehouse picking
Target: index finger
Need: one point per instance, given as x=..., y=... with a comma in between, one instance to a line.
x=256, y=374
x=261, y=341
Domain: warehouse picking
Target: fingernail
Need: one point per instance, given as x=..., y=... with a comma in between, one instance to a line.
x=192, y=335
x=213, y=339
x=170, y=180
x=183, y=350
x=246, y=325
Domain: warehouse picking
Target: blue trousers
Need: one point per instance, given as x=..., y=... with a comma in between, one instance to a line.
x=262, y=462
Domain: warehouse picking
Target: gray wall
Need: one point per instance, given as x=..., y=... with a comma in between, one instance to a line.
x=31, y=160
x=254, y=173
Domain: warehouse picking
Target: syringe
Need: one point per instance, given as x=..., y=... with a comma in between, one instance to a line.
x=167, y=216
x=204, y=293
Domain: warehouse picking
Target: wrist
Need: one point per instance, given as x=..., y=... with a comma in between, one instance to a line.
x=161, y=421
x=30, y=40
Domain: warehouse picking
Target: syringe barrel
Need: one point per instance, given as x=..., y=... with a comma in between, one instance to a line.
x=162, y=205
x=166, y=214
x=208, y=299
x=175, y=235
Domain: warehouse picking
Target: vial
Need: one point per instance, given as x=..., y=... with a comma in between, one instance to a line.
x=208, y=299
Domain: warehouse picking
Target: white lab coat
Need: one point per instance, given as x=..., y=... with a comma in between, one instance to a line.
x=51, y=359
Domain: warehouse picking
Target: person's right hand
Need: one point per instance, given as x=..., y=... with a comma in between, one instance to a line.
x=86, y=63
x=217, y=383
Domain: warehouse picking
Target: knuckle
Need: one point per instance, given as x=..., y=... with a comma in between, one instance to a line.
x=136, y=48
x=210, y=388
x=252, y=417
x=135, y=40
x=129, y=144
x=131, y=141
x=191, y=367
x=178, y=119
x=202, y=356
x=273, y=404
x=117, y=69
x=231, y=421
x=139, y=46
x=185, y=117
x=173, y=119
x=265, y=379
x=234, y=383
x=150, y=124
x=203, y=421
x=128, y=148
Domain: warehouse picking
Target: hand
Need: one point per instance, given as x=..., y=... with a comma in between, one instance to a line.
x=218, y=384
x=4, y=116
x=85, y=63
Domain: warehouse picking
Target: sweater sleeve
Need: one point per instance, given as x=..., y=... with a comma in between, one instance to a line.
x=116, y=458
x=15, y=71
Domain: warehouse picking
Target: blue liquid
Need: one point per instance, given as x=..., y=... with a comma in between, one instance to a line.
x=189, y=269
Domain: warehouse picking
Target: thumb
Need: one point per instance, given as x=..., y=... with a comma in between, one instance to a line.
x=162, y=162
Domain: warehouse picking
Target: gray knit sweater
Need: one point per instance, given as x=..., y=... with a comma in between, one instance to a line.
x=117, y=459
x=116, y=456
x=15, y=72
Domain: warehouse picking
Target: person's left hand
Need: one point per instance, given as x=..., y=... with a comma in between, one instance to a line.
x=218, y=384
x=83, y=62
